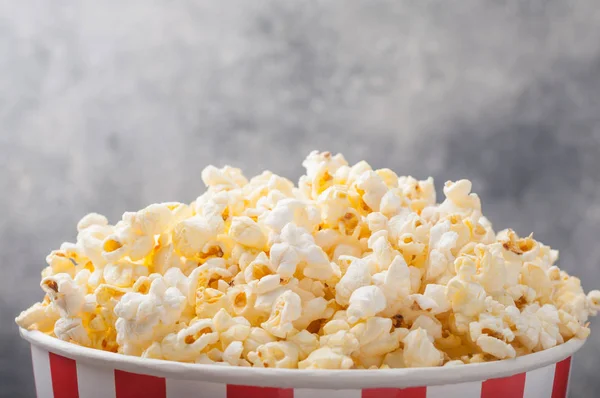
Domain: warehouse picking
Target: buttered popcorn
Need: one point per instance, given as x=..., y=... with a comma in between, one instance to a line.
x=354, y=268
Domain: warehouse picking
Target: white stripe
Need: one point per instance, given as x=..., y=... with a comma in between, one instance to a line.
x=196, y=389
x=569, y=377
x=311, y=393
x=95, y=381
x=462, y=390
x=538, y=382
x=41, y=372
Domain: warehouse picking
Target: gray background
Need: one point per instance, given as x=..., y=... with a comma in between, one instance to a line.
x=111, y=105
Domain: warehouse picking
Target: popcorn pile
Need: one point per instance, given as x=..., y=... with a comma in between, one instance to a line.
x=354, y=268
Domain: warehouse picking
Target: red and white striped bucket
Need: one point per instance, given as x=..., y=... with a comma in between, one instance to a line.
x=64, y=370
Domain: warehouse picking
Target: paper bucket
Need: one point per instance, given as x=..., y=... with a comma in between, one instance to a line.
x=64, y=370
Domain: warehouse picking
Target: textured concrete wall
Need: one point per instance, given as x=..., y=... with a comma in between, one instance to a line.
x=111, y=105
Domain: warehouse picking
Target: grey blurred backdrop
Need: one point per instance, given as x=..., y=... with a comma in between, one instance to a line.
x=111, y=105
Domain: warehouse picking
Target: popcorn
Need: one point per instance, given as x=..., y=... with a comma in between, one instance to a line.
x=90, y=240
x=459, y=197
x=187, y=344
x=455, y=362
x=377, y=222
x=321, y=171
x=411, y=248
x=441, y=242
x=305, y=342
x=491, y=272
x=123, y=273
x=357, y=275
x=276, y=354
x=64, y=260
x=419, y=350
x=164, y=258
x=126, y=242
x=66, y=295
x=265, y=302
x=209, y=301
x=336, y=324
x=139, y=315
x=422, y=193
x=287, y=308
x=326, y=358
x=537, y=279
x=313, y=287
x=294, y=211
x=334, y=204
x=495, y=347
x=365, y=302
x=208, y=274
x=286, y=259
x=353, y=268
x=549, y=336
x=242, y=300
x=395, y=283
x=394, y=359
x=389, y=178
x=341, y=341
x=408, y=223
x=153, y=220
x=91, y=219
x=298, y=247
x=372, y=188
x=217, y=206
x=383, y=252
x=108, y=296
x=258, y=268
x=232, y=354
x=431, y=325
x=225, y=178
x=256, y=338
x=594, y=301
x=312, y=310
x=433, y=299
x=391, y=203
x=246, y=231
x=376, y=337
x=544, y=327
x=40, y=316
x=467, y=298
x=239, y=332
x=192, y=235
x=71, y=329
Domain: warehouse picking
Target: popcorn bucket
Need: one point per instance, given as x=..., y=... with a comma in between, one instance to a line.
x=65, y=370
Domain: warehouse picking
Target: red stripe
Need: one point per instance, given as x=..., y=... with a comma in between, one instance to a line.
x=512, y=386
x=64, y=377
x=413, y=392
x=561, y=378
x=234, y=391
x=133, y=385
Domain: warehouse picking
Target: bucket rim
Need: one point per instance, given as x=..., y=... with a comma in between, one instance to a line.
x=298, y=378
